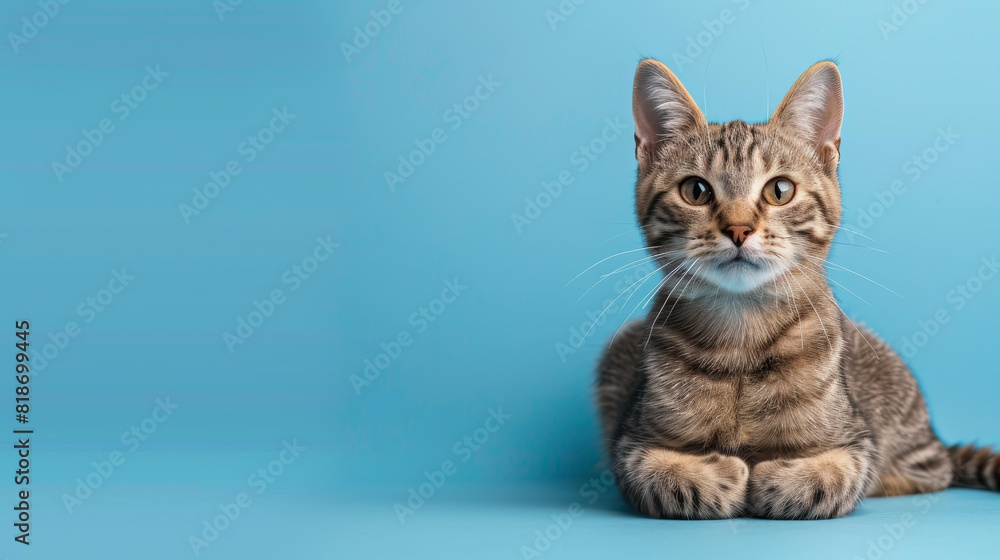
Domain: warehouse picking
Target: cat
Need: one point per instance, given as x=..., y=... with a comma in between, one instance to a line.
x=746, y=391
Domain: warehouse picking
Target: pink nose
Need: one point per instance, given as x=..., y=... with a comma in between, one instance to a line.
x=740, y=234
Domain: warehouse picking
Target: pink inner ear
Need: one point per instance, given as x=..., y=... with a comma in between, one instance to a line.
x=814, y=109
x=643, y=133
x=832, y=115
x=828, y=143
x=647, y=128
x=660, y=107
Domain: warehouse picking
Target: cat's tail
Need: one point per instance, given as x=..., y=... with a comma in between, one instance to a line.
x=975, y=467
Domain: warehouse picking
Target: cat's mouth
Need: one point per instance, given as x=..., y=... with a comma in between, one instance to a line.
x=740, y=259
x=738, y=272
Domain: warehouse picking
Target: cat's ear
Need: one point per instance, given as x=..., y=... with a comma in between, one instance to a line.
x=662, y=109
x=813, y=110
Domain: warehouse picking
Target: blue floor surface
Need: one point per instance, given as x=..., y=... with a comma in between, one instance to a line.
x=522, y=521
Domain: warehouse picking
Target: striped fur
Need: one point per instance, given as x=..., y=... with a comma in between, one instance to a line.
x=975, y=467
x=746, y=391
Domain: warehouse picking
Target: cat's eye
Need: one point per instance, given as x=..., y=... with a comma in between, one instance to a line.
x=779, y=191
x=696, y=191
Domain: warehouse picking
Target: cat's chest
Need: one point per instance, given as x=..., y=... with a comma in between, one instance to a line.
x=736, y=414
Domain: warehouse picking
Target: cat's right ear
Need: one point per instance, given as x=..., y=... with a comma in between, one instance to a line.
x=662, y=109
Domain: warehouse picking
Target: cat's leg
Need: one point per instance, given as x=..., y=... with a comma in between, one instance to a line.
x=664, y=483
x=618, y=376
x=821, y=486
x=919, y=468
x=911, y=458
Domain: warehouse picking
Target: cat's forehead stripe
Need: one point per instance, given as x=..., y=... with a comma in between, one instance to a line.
x=737, y=158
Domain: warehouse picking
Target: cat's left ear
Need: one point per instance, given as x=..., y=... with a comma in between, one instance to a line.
x=813, y=110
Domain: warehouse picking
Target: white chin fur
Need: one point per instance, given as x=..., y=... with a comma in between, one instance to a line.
x=738, y=278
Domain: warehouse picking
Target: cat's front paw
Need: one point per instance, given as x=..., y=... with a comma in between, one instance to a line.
x=820, y=487
x=668, y=484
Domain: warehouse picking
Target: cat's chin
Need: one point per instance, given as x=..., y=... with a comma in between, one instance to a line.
x=739, y=276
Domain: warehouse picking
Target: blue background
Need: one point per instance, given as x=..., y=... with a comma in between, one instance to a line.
x=497, y=345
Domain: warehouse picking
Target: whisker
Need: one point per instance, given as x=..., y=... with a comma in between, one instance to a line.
x=638, y=305
x=845, y=288
x=704, y=83
x=630, y=222
x=607, y=258
x=652, y=294
x=862, y=246
x=665, y=300
x=681, y=295
x=613, y=237
x=605, y=277
x=767, y=80
x=848, y=290
x=640, y=227
x=631, y=265
x=644, y=279
x=791, y=292
x=598, y=319
x=845, y=269
x=859, y=234
x=656, y=289
x=831, y=298
x=808, y=299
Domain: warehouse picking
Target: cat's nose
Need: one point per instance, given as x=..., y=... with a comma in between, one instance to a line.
x=740, y=233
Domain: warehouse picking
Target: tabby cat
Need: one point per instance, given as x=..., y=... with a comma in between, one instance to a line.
x=746, y=391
